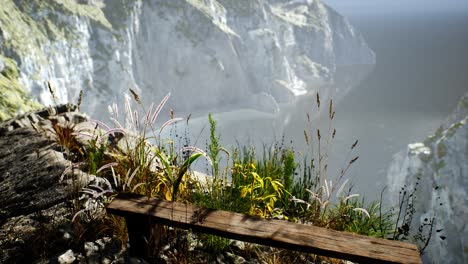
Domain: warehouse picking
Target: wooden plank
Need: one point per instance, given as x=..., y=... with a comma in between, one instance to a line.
x=276, y=233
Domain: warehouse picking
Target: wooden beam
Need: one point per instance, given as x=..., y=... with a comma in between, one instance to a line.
x=275, y=233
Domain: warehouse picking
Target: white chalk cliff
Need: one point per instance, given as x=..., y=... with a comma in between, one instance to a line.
x=211, y=55
x=439, y=168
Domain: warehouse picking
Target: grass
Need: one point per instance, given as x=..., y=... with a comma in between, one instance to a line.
x=132, y=156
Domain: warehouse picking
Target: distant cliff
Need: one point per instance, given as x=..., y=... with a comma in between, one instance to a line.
x=438, y=169
x=212, y=55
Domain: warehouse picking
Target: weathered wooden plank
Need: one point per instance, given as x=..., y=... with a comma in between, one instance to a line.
x=276, y=233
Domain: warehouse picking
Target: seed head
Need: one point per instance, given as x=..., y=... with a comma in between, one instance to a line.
x=135, y=95
x=80, y=98
x=318, y=100
x=353, y=160
x=355, y=144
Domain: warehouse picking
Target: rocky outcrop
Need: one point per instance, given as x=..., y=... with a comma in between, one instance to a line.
x=212, y=55
x=31, y=163
x=438, y=169
x=33, y=202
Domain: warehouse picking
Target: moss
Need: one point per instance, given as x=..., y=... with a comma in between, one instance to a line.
x=26, y=25
x=439, y=165
x=441, y=149
x=426, y=158
x=431, y=139
x=300, y=16
x=453, y=129
x=13, y=98
x=201, y=6
x=463, y=103
x=71, y=7
x=19, y=30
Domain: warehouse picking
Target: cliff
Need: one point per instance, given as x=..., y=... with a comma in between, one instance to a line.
x=438, y=169
x=212, y=55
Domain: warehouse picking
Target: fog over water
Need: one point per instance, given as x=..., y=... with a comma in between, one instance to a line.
x=421, y=72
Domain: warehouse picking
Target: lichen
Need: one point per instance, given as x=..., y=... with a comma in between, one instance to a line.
x=13, y=98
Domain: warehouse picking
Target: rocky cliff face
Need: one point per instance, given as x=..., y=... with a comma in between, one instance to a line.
x=438, y=169
x=212, y=55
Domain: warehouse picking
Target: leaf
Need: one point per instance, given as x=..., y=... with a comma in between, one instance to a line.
x=183, y=169
x=168, y=196
x=363, y=211
x=164, y=160
x=261, y=182
x=244, y=192
x=253, y=166
x=129, y=181
x=168, y=122
x=158, y=109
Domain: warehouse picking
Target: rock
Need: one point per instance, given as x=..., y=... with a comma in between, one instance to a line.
x=31, y=164
x=2, y=65
x=213, y=55
x=238, y=245
x=103, y=250
x=34, y=206
x=232, y=258
x=437, y=168
x=137, y=261
x=22, y=238
x=67, y=257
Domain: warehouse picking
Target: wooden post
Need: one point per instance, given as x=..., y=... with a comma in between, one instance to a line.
x=144, y=235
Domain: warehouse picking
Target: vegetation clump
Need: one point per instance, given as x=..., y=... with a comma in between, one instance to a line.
x=133, y=156
x=13, y=97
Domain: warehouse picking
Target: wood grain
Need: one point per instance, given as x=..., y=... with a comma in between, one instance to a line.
x=276, y=233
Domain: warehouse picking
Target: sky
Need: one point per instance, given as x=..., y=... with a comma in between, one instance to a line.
x=376, y=7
